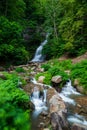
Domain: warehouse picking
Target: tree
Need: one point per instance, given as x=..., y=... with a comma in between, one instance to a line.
x=12, y=9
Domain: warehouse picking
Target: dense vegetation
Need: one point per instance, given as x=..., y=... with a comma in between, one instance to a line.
x=67, y=70
x=67, y=22
x=19, y=30
x=13, y=104
x=23, y=23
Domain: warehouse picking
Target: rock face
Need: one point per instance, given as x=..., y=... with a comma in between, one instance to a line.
x=81, y=107
x=41, y=79
x=78, y=127
x=57, y=110
x=78, y=87
x=56, y=79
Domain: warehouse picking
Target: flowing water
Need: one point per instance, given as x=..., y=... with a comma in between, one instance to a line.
x=38, y=54
x=40, y=105
x=65, y=94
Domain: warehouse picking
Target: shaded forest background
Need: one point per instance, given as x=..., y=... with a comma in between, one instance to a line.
x=24, y=24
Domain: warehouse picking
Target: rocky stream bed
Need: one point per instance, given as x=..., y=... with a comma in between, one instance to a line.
x=66, y=110
x=63, y=110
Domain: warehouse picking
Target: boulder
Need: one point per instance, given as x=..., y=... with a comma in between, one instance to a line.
x=78, y=87
x=76, y=82
x=31, y=105
x=77, y=126
x=56, y=79
x=44, y=113
x=81, y=107
x=41, y=79
x=57, y=109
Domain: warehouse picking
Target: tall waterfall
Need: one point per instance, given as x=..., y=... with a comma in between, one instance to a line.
x=38, y=54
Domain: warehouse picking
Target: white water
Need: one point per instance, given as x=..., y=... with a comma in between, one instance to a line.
x=65, y=95
x=38, y=54
x=77, y=119
x=33, y=80
x=37, y=101
x=67, y=91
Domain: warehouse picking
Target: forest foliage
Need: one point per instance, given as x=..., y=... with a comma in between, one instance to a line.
x=23, y=23
x=14, y=112
x=68, y=22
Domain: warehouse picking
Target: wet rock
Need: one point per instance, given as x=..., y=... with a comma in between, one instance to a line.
x=40, y=69
x=80, y=89
x=32, y=106
x=32, y=73
x=81, y=107
x=28, y=88
x=41, y=125
x=44, y=113
x=56, y=79
x=41, y=79
x=76, y=82
x=78, y=127
x=57, y=109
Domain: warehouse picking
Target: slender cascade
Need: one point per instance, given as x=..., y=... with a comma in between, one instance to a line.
x=38, y=54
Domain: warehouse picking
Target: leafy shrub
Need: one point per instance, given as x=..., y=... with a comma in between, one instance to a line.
x=11, y=42
x=54, y=70
x=45, y=66
x=19, y=69
x=57, y=71
x=47, y=79
x=79, y=71
x=66, y=64
x=12, y=105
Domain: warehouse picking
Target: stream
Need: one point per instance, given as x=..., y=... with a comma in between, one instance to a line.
x=67, y=94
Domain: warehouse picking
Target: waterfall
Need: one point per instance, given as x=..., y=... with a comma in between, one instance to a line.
x=38, y=54
x=67, y=91
x=39, y=99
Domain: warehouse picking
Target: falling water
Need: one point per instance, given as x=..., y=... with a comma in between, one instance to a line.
x=38, y=54
x=40, y=105
x=67, y=91
x=37, y=100
x=65, y=94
